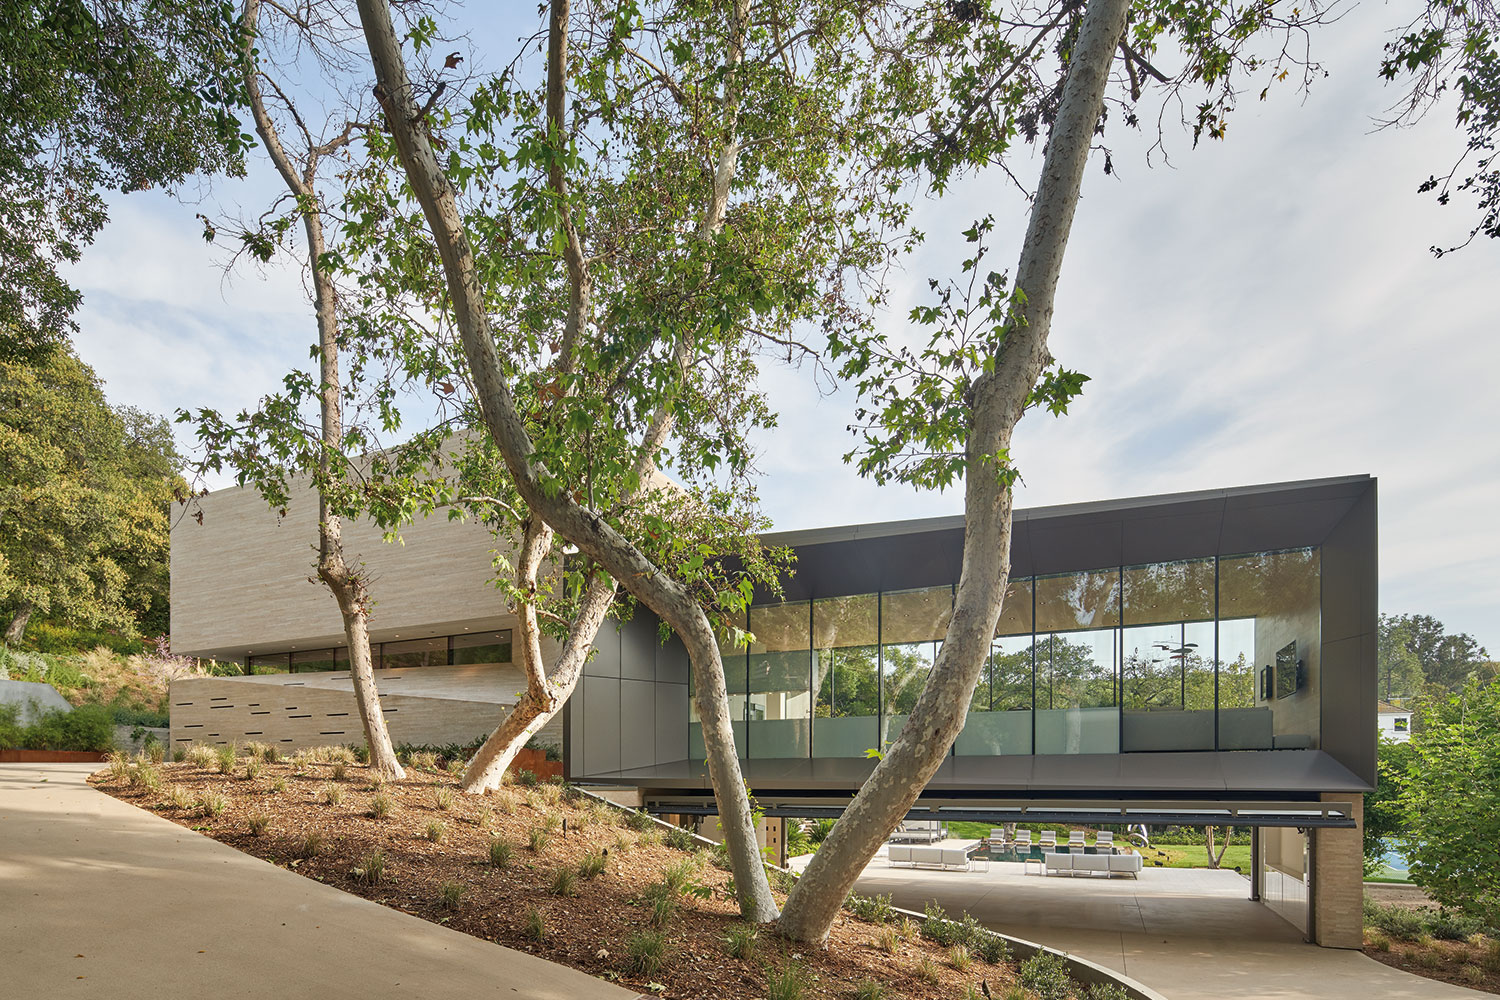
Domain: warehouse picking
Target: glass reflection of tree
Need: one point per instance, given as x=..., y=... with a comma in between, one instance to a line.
x=850, y=685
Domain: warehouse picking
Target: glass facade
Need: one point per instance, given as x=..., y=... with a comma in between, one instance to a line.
x=435, y=651
x=1209, y=654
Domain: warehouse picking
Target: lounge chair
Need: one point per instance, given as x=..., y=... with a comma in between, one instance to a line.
x=1075, y=839
x=997, y=836
x=1022, y=842
x=1104, y=841
x=1049, y=840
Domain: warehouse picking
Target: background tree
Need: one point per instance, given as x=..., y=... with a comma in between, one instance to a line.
x=1385, y=814
x=1451, y=801
x=1447, y=660
x=98, y=95
x=1399, y=670
x=84, y=495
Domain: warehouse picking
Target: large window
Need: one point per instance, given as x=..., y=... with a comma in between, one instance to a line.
x=912, y=625
x=846, y=643
x=1077, y=619
x=1269, y=604
x=482, y=647
x=780, y=678
x=1167, y=666
x=1198, y=654
x=735, y=656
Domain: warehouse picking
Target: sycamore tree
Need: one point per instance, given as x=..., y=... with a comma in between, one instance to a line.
x=99, y=95
x=305, y=132
x=85, y=490
x=697, y=175
x=1450, y=51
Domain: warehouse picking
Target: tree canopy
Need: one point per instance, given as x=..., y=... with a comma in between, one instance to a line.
x=99, y=95
x=85, y=491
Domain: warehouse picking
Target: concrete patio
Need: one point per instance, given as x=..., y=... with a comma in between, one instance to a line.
x=1191, y=934
x=99, y=899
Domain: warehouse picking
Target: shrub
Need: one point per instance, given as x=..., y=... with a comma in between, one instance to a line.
x=874, y=910
x=679, y=839
x=436, y=831
x=937, y=928
x=781, y=879
x=257, y=751
x=484, y=817
x=526, y=779
x=787, y=983
x=179, y=797
x=646, y=952
x=533, y=925
x=889, y=940
x=565, y=882
x=424, y=760
x=252, y=768
x=380, y=805
x=1046, y=975
x=500, y=852
x=224, y=758
x=1471, y=973
x=991, y=948
x=821, y=828
x=959, y=957
x=640, y=819
x=1446, y=925
x=536, y=839
x=449, y=895
x=332, y=794
x=311, y=844
x=926, y=969
x=179, y=755
x=258, y=823
x=869, y=989
x=1400, y=923
x=592, y=864
x=279, y=785
x=442, y=797
x=87, y=727
x=741, y=941
x=340, y=771
x=1108, y=991
x=371, y=870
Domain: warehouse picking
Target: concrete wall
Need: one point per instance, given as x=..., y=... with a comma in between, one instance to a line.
x=244, y=579
x=422, y=705
x=33, y=699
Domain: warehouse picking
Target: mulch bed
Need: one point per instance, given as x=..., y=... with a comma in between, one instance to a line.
x=1474, y=964
x=590, y=930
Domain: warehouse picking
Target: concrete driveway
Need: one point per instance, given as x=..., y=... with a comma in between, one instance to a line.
x=99, y=899
x=1191, y=934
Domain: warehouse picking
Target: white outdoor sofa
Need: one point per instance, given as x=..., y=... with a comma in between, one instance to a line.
x=917, y=856
x=1090, y=864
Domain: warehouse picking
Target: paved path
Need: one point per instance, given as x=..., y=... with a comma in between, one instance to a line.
x=1191, y=934
x=99, y=899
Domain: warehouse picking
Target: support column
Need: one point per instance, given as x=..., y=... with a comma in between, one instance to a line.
x=1337, y=877
x=1257, y=864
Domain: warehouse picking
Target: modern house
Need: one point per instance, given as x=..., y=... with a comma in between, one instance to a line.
x=1191, y=659
x=1393, y=723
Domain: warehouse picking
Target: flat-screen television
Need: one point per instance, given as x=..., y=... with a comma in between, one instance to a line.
x=1288, y=677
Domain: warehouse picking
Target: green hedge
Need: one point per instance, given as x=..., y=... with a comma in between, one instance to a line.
x=88, y=727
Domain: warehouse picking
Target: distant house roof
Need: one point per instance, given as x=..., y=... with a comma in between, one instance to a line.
x=1386, y=708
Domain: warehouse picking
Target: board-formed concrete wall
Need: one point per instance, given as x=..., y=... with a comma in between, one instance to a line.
x=436, y=705
x=244, y=578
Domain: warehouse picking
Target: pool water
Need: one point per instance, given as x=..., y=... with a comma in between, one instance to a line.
x=1009, y=854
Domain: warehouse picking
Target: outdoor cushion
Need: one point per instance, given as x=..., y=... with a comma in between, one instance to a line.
x=955, y=856
x=926, y=855
x=898, y=852
x=1123, y=862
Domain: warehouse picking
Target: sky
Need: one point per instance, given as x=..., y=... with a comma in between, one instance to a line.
x=1258, y=310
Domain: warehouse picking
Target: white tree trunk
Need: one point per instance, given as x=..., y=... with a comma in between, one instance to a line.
x=583, y=527
x=544, y=695
x=16, y=630
x=347, y=585
x=1000, y=399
